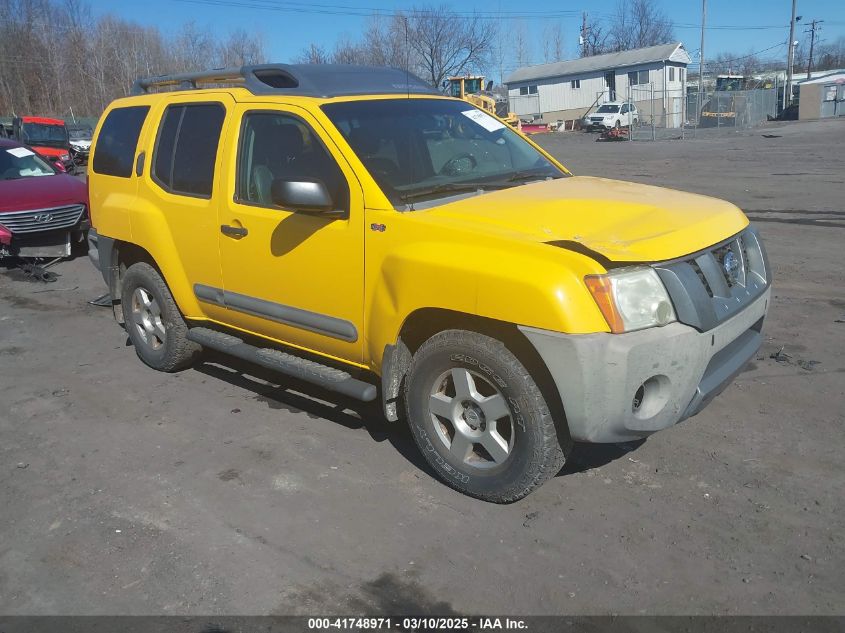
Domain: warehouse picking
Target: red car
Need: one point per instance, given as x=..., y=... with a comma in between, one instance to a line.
x=43, y=212
x=49, y=137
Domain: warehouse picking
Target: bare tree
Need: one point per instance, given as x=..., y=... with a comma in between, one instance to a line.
x=347, y=52
x=637, y=24
x=442, y=44
x=552, y=42
x=521, y=44
x=98, y=59
x=831, y=55
x=313, y=54
x=595, y=39
x=194, y=47
x=241, y=49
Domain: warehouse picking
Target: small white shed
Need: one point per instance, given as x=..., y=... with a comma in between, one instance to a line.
x=566, y=90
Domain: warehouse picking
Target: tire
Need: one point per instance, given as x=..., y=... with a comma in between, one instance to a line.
x=618, y=124
x=515, y=451
x=153, y=322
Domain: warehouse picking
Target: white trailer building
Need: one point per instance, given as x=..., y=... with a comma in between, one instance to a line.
x=654, y=78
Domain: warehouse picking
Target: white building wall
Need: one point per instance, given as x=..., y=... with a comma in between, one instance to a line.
x=557, y=94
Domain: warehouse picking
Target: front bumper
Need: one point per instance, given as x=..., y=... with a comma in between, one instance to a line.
x=672, y=371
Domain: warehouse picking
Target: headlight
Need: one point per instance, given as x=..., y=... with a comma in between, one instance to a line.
x=64, y=157
x=631, y=299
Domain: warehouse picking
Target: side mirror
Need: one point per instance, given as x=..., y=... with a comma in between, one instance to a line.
x=306, y=196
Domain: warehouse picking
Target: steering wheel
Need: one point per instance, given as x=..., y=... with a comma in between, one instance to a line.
x=459, y=164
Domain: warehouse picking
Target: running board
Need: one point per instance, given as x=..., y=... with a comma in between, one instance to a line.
x=306, y=370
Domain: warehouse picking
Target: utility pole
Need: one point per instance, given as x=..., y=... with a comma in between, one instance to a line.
x=790, y=59
x=584, y=34
x=812, y=31
x=701, y=58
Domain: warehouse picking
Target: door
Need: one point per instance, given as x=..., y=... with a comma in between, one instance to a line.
x=840, y=100
x=289, y=275
x=828, y=108
x=677, y=109
x=183, y=186
x=610, y=82
x=112, y=174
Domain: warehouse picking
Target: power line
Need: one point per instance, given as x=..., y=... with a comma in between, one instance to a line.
x=366, y=11
x=362, y=11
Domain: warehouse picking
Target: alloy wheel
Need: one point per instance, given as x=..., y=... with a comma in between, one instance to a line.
x=472, y=419
x=146, y=317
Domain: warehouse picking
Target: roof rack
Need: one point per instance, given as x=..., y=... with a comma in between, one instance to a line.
x=311, y=80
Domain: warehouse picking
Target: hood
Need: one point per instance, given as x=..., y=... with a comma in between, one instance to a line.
x=622, y=221
x=48, y=151
x=81, y=143
x=41, y=192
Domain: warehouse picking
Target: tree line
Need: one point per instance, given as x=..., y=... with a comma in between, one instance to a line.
x=57, y=59
x=827, y=56
x=430, y=41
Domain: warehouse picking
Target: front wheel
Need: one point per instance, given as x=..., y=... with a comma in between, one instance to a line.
x=480, y=419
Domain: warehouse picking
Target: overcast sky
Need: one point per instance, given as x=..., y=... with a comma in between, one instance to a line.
x=736, y=26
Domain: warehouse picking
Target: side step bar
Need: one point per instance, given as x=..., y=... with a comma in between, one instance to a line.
x=307, y=370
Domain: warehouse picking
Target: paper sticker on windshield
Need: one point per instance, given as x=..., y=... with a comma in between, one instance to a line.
x=20, y=152
x=484, y=120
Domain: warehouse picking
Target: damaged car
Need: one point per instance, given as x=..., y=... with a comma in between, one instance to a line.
x=43, y=211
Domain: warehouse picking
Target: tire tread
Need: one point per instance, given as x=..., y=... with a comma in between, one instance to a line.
x=548, y=459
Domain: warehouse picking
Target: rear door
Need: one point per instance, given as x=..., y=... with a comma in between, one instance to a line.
x=182, y=160
x=113, y=184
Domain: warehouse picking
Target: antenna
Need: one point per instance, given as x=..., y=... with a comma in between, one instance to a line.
x=408, y=83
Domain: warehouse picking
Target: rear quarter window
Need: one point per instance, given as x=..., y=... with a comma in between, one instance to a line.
x=114, y=152
x=186, y=150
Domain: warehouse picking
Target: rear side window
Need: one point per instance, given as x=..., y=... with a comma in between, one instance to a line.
x=114, y=153
x=186, y=150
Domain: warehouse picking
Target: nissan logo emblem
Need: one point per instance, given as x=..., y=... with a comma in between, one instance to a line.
x=43, y=217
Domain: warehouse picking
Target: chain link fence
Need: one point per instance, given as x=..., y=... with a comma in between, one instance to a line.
x=679, y=114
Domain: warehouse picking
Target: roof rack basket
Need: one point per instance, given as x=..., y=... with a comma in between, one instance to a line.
x=314, y=80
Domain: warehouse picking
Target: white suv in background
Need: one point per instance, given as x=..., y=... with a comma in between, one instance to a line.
x=611, y=114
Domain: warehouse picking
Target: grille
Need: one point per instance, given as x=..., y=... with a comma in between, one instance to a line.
x=42, y=219
x=710, y=286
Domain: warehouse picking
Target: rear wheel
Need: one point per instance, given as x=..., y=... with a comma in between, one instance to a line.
x=153, y=321
x=480, y=419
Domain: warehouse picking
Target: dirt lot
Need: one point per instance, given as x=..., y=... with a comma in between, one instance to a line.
x=123, y=490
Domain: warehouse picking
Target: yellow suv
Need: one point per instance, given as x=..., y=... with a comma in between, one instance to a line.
x=355, y=229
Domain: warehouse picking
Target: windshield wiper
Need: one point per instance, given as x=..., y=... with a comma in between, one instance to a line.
x=451, y=187
x=529, y=175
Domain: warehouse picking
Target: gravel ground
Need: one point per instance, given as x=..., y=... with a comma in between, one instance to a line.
x=124, y=490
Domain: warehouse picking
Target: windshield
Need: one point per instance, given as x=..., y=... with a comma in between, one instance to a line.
x=43, y=134
x=423, y=149
x=608, y=109
x=729, y=83
x=81, y=135
x=20, y=162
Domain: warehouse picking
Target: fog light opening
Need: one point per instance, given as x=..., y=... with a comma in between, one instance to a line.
x=651, y=397
x=637, y=402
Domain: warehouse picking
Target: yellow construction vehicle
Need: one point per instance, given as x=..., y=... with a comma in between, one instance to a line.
x=472, y=88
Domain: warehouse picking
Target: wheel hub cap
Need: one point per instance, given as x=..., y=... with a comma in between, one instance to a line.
x=472, y=418
x=146, y=317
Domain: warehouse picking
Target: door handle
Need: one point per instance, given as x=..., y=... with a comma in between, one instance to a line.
x=236, y=232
